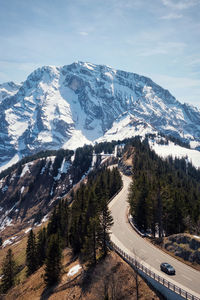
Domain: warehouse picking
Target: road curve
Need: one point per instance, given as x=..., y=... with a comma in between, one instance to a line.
x=128, y=240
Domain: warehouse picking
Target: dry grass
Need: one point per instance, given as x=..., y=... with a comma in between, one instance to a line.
x=112, y=274
x=18, y=248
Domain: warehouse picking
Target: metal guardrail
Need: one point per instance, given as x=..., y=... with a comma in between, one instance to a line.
x=136, y=264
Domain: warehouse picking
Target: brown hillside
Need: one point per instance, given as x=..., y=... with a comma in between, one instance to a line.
x=112, y=274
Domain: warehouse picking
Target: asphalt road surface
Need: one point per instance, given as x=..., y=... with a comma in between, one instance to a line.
x=128, y=240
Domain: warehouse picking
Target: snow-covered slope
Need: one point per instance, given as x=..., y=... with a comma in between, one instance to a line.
x=127, y=126
x=176, y=151
x=80, y=103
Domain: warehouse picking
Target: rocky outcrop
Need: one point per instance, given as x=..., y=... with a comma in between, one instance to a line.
x=126, y=162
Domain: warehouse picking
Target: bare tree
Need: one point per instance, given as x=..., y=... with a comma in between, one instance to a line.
x=136, y=266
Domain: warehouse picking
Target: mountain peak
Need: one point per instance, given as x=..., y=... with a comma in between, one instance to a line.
x=8, y=89
x=83, y=102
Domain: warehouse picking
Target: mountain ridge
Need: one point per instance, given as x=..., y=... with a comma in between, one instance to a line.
x=82, y=103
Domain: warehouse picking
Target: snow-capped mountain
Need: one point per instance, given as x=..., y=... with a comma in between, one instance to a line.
x=82, y=103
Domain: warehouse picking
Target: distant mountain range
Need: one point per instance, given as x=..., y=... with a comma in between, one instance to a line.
x=83, y=103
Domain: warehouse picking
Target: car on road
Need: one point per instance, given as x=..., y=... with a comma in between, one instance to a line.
x=167, y=268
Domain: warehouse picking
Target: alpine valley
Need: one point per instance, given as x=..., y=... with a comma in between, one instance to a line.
x=82, y=103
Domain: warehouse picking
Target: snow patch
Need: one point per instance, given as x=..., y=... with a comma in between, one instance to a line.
x=44, y=219
x=77, y=140
x=6, y=222
x=196, y=236
x=63, y=169
x=25, y=169
x=74, y=270
x=194, y=144
x=8, y=241
x=28, y=230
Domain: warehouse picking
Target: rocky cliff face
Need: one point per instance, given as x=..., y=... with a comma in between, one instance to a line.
x=80, y=103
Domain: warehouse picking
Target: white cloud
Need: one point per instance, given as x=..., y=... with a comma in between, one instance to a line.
x=180, y=4
x=83, y=33
x=171, y=16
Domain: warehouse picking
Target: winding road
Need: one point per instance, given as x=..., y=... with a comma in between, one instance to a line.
x=123, y=235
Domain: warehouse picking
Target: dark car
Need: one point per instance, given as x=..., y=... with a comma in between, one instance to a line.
x=167, y=268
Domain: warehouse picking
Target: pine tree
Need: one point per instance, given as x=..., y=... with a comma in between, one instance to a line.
x=53, y=261
x=63, y=222
x=106, y=221
x=52, y=227
x=31, y=257
x=8, y=272
x=41, y=246
x=91, y=240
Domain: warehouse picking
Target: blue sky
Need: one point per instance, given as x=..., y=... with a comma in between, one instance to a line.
x=158, y=38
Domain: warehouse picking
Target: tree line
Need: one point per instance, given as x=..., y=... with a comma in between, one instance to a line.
x=42, y=154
